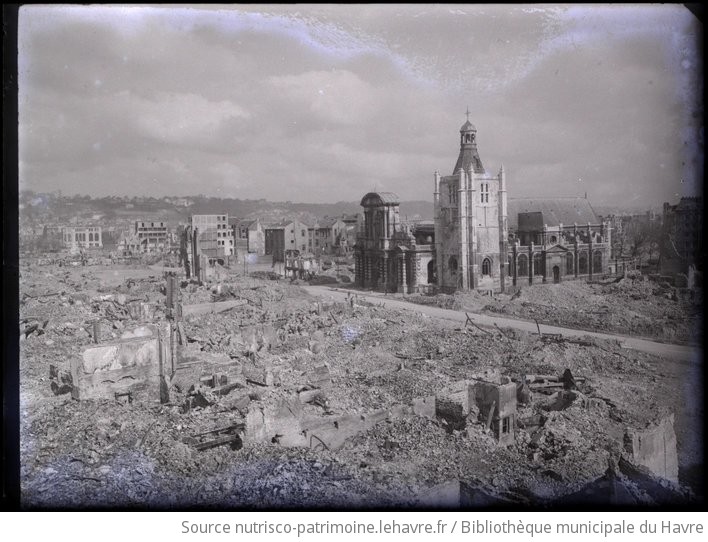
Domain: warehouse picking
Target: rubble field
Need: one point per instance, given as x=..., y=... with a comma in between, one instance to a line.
x=277, y=399
x=633, y=305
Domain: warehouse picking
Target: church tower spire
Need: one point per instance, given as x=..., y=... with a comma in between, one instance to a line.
x=469, y=156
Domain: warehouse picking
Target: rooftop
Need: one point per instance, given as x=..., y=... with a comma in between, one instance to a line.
x=374, y=199
x=566, y=211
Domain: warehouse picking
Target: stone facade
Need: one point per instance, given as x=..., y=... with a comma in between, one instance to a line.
x=78, y=237
x=215, y=236
x=558, y=253
x=470, y=222
x=388, y=255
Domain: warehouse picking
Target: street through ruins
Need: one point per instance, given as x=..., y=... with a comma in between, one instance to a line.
x=677, y=352
x=143, y=389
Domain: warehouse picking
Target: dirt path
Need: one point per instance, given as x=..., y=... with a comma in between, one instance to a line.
x=680, y=353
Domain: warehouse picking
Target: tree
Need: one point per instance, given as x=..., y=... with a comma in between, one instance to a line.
x=640, y=239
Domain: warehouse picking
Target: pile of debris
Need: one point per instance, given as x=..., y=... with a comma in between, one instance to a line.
x=348, y=401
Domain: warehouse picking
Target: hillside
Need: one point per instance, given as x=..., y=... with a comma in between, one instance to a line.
x=50, y=207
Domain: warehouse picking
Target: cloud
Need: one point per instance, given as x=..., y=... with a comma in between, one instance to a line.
x=322, y=103
x=181, y=118
x=336, y=96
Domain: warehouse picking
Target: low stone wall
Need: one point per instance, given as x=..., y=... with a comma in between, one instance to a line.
x=207, y=308
x=135, y=367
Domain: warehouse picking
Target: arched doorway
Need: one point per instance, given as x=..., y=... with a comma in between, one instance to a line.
x=523, y=265
x=556, y=274
x=583, y=263
x=431, y=272
x=486, y=267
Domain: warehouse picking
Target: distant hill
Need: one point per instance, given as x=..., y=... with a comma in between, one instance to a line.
x=47, y=207
x=274, y=211
x=417, y=210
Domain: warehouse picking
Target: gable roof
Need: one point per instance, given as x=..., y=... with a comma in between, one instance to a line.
x=566, y=211
x=279, y=225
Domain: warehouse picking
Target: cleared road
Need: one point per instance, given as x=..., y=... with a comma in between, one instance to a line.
x=676, y=352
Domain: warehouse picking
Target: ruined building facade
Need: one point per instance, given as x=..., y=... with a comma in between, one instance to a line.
x=470, y=222
x=681, y=244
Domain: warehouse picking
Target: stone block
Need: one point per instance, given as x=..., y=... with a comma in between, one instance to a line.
x=255, y=338
x=331, y=434
x=319, y=377
x=654, y=448
x=307, y=396
x=275, y=424
x=209, y=308
x=424, y=406
x=261, y=374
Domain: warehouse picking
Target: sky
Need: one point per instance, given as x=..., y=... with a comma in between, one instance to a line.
x=326, y=103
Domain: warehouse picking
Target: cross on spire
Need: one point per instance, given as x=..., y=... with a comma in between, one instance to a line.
x=468, y=113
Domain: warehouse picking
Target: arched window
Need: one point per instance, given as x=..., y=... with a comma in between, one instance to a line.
x=523, y=265
x=597, y=262
x=583, y=263
x=452, y=264
x=553, y=240
x=538, y=264
x=486, y=267
x=569, y=263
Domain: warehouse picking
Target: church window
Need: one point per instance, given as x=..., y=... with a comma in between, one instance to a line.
x=486, y=267
x=452, y=194
x=523, y=265
x=452, y=263
x=538, y=264
x=484, y=196
x=597, y=262
x=569, y=264
x=583, y=263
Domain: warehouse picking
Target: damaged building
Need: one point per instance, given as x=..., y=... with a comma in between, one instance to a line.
x=481, y=240
x=250, y=392
x=681, y=244
x=556, y=239
x=388, y=255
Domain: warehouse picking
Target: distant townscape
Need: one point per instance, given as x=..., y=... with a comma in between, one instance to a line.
x=473, y=235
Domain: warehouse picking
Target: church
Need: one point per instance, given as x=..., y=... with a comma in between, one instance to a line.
x=470, y=209
x=472, y=245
